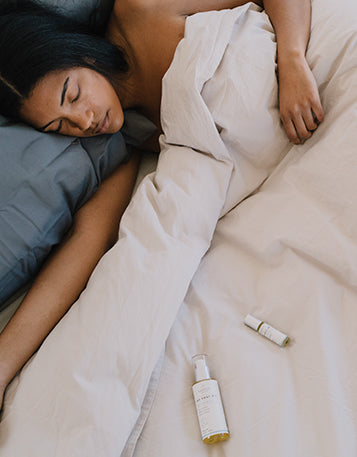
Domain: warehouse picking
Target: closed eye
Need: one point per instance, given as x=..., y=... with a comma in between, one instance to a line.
x=59, y=128
x=77, y=96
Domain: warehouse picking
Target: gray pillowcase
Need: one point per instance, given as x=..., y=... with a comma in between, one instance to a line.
x=44, y=180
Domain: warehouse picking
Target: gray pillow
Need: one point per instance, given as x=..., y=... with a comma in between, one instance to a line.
x=44, y=180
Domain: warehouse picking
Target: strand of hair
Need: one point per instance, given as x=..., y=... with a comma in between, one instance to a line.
x=10, y=86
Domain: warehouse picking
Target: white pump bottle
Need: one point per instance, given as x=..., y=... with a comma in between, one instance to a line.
x=208, y=401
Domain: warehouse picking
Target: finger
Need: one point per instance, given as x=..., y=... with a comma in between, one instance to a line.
x=291, y=131
x=309, y=120
x=301, y=128
x=318, y=111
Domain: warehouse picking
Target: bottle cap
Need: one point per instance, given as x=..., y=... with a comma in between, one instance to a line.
x=200, y=366
x=252, y=322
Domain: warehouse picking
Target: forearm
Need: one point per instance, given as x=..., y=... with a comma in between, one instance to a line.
x=67, y=271
x=56, y=288
x=291, y=20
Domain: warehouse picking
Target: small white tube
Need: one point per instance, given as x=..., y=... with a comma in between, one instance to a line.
x=266, y=330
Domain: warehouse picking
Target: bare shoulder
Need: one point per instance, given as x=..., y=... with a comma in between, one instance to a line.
x=135, y=7
x=174, y=7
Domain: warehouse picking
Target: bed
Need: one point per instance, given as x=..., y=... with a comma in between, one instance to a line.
x=197, y=252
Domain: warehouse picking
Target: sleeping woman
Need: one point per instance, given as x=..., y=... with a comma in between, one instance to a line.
x=56, y=76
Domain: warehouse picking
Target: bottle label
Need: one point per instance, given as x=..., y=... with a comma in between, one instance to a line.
x=209, y=408
x=273, y=334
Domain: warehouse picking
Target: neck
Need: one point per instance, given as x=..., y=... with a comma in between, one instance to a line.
x=141, y=88
x=126, y=86
x=138, y=91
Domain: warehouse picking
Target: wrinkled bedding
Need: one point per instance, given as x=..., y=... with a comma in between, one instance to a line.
x=233, y=221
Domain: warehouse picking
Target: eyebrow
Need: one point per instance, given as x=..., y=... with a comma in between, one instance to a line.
x=65, y=87
x=63, y=95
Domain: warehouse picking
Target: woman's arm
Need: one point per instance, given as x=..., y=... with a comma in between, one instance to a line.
x=300, y=106
x=299, y=100
x=65, y=275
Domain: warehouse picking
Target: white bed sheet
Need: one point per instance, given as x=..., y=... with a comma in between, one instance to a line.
x=287, y=254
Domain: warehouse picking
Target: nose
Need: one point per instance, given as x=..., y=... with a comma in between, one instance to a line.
x=82, y=119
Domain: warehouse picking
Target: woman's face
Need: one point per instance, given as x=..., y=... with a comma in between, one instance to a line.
x=75, y=102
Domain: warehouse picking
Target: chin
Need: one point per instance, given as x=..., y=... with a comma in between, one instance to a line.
x=119, y=121
x=117, y=129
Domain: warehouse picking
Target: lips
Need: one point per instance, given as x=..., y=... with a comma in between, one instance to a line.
x=103, y=126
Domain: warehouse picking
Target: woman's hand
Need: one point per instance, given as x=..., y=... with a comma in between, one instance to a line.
x=299, y=101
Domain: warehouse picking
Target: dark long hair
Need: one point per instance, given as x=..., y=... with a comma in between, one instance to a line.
x=35, y=40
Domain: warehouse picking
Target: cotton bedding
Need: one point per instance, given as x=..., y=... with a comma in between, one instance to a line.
x=233, y=221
